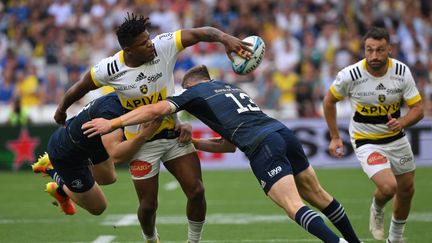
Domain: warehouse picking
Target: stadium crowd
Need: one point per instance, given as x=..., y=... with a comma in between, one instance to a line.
x=46, y=45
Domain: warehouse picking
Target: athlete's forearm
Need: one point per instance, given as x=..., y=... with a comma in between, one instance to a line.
x=76, y=92
x=330, y=117
x=206, y=34
x=414, y=115
x=125, y=150
x=142, y=114
x=214, y=145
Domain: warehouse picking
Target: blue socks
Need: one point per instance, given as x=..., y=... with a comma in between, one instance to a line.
x=314, y=224
x=335, y=212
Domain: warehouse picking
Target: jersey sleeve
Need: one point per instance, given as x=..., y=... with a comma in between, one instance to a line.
x=340, y=86
x=169, y=44
x=178, y=102
x=410, y=93
x=99, y=74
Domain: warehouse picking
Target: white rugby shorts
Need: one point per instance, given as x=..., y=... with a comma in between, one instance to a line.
x=146, y=162
x=396, y=155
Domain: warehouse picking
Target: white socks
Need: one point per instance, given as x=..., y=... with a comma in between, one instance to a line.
x=396, y=231
x=150, y=237
x=194, y=231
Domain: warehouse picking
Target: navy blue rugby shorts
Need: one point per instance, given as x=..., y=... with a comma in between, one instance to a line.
x=278, y=155
x=71, y=163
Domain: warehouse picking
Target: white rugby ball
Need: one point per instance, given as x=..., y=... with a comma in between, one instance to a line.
x=243, y=66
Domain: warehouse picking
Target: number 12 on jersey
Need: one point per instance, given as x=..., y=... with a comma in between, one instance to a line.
x=250, y=106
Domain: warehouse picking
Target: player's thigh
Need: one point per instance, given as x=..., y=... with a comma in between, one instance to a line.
x=92, y=200
x=104, y=172
x=147, y=191
x=183, y=163
x=269, y=162
x=401, y=156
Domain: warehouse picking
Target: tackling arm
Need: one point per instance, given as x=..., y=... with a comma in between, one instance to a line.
x=141, y=114
x=74, y=93
x=214, y=145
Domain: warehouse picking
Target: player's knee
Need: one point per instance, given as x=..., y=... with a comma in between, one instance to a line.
x=407, y=191
x=389, y=189
x=98, y=210
x=196, y=193
x=147, y=208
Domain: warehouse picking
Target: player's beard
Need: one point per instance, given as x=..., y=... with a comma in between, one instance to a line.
x=377, y=64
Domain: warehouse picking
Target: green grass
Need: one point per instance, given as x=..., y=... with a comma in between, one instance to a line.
x=238, y=210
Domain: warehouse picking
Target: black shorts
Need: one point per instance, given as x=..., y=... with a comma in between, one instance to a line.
x=278, y=155
x=72, y=163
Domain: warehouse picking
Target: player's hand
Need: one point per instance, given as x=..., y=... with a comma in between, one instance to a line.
x=185, y=132
x=148, y=128
x=241, y=48
x=97, y=126
x=336, y=148
x=393, y=124
x=60, y=116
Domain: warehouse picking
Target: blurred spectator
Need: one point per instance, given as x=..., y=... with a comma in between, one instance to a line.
x=18, y=115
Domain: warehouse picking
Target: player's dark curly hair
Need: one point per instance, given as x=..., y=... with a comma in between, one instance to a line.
x=133, y=26
x=377, y=33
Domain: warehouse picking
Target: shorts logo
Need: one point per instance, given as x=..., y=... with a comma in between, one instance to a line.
x=376, y=158
x=263, y=183
x=77, y=184
x=274, y=171
x=139, y=168
x=405, y=159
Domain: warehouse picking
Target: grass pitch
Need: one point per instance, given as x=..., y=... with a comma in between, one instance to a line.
x=238, y=211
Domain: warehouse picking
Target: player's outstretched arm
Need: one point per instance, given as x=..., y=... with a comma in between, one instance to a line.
x=336, y=148
x=74, y=93
x=140, y=115
x=214, y=145
x=210, y=34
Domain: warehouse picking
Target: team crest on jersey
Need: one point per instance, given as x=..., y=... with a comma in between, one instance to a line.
x=381, y=98
x=144, y=88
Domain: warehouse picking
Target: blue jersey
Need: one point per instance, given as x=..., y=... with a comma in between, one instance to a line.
x=70, y=143
x=229, y=111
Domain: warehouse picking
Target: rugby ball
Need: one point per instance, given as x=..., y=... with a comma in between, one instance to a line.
x=242, y=66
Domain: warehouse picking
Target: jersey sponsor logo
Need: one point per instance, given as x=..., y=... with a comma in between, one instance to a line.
x=153, y=62
x=381, y=98
x=400, y=79
x=406, y=159
x=112, y=68
x=360, y=81
x=126, y=87
x=118, y=75
x=274, y=171
x=155, y=77
x=145, y=100
x=379, y=110
x=376, y=158
x=140, y=77
x=363, y=94
x=139, y=168
x=380, y=87
x=166, y=36
x=394, y=91
x=355, y=73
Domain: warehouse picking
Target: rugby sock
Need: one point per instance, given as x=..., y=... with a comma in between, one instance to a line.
x=397, y=228
x=335, y=212
x=376, y=207
x=315, y=225
x=151, y=237
x=195, y=230
x=59, y=182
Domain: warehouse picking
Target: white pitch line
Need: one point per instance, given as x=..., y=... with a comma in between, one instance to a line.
x=171, y=186
x=104, y=239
